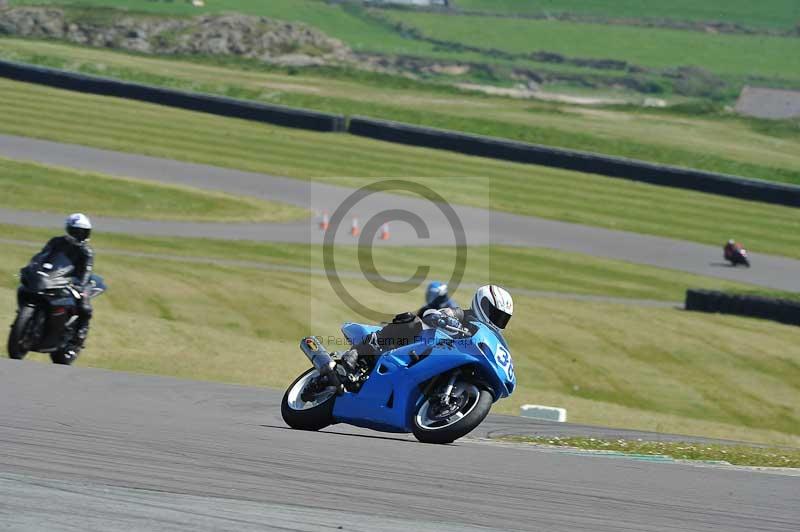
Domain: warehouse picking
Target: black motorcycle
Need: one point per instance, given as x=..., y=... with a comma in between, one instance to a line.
x=48, y=310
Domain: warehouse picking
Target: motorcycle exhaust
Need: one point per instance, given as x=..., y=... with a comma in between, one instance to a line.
x=319, y=357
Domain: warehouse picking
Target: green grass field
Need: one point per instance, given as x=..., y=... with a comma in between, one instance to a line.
x=533, y=269
x=655, y=369
x=42, y=188
x=716, y=143
x=152, y=130
x=738, y=55
x=781, y=14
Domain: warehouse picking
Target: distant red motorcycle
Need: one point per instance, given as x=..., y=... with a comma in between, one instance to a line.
x=736, y=254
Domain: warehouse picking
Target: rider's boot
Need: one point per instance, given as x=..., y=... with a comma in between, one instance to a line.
x=80, y=337
x=346, y=370
x=78, y=342
x=349, y=360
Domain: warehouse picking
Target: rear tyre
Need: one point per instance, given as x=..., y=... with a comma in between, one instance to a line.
x=19, y=331
x=434, y=423
x=308, y=413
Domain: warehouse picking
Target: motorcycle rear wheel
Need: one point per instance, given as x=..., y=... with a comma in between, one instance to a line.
x=307, y=415
x=474, y=405
x=16, y=349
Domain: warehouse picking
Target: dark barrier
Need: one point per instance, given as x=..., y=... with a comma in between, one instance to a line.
x=509, y=150
x=218, y=105
x=781, y=310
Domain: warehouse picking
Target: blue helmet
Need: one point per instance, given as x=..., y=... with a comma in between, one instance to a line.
x=436, y=292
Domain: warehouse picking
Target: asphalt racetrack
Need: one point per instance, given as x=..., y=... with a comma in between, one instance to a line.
x=479, y=226
x=87, y=449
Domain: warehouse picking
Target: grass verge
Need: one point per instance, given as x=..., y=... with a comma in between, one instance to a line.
x=533, y=269
x=609, y=364
x=710, y=140
x=744, y=455
x=43, y=188
x=137, y=127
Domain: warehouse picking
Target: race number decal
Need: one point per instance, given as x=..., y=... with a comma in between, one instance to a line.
x=503, y=359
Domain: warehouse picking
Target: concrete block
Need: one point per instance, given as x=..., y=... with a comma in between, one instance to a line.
x=550, y=413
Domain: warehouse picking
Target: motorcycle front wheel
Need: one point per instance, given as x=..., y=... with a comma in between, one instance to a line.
x=63, y=357
x=308, y=412
x=19, y=330
x=438, y=422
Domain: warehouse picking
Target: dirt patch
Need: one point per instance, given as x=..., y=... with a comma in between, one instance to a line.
x=527, y=93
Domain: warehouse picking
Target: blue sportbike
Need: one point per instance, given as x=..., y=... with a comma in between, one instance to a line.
x=440, y=386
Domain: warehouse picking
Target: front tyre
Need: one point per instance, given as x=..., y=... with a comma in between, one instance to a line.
x=17, y=348
x=64, y=358
x=305, y=408
x=437, y=422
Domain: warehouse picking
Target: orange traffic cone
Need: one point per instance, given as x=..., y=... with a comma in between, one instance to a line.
x=354, y=229
x=325, y=222
x=385, y=232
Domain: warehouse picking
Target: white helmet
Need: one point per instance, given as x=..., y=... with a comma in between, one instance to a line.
x=493, y=306
x=78, y=227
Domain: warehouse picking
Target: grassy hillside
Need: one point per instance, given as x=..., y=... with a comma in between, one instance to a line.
x=334, y=20
x=712, y=142
x=737, y=58
x=782, y=14
x=50, y=189
x=736, y=55
x=627, y=366
x=153, y=130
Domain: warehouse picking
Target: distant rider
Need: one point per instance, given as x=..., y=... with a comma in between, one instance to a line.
x=75, y=246
x=491, y=305
x=732, y=248
x=436, y=298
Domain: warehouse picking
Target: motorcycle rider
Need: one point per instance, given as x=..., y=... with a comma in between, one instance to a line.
x=491, y=305
x=731, y=249
x=75, y=246
x=436, y=297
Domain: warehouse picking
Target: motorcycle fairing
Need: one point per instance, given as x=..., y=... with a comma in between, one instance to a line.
x=389, y=398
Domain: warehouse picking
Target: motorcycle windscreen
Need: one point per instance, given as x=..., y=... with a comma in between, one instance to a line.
x=53, y=273
x=60, y=270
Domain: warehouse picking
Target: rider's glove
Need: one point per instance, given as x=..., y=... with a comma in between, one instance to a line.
x=449, y=321
x=437, y=318
x=432, y=317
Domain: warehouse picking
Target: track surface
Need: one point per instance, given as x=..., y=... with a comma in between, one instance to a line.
x=480, y=226
x=93, y=449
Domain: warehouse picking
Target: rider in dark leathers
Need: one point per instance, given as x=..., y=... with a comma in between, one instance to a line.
x=75, y=246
